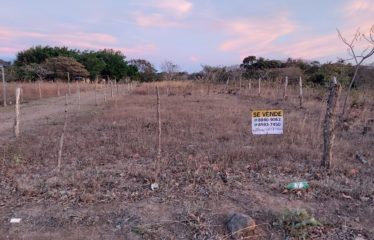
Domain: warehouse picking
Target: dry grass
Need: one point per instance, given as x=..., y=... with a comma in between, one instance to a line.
x=30, y=91
x=212, y=165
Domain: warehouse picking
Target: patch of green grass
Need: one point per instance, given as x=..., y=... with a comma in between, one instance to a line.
x=297, y=222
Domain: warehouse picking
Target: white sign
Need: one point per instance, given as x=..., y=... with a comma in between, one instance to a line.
x=267, y=122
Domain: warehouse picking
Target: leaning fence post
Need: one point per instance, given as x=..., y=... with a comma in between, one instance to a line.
x=62, y=135
x=16, y=122
x=285, y=88
x=4, y=85
x=301, y=92
x=329, y=124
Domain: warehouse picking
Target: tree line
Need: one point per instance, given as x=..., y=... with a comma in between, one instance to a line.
x=45, y=62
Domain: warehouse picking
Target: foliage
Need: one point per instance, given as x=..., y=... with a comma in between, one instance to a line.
x=60, y=66
x=92, y=63
x=214, y=74
x=314, y=72
x=297, y=222
x=104, y=63
x=115, y=64
x=145, y=70
x=170, y=69
x=39, y=54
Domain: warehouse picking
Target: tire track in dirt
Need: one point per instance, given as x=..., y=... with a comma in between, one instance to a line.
x=36, y=112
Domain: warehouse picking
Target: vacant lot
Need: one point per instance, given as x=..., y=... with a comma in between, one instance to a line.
x=211, y=167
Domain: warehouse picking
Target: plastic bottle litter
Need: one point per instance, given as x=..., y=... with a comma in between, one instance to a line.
x=298, y=185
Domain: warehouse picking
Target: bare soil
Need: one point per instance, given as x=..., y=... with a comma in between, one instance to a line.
x=211, y=166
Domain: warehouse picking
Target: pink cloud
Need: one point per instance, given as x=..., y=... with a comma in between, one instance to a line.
x=357, y=14
x=139, y=49
x=175, y=6
x=82, y=40
x=255, y=33
x=155, y=20
x=312, y=47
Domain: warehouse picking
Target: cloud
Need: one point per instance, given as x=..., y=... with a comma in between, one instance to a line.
x=76, y=39
x=312, y=47
x=155, y=20
x=177, y=8
x=255, y=34
x=166, y=14
x=81, y=40
x=357, y=14
x=143, y=49
x=174, y=6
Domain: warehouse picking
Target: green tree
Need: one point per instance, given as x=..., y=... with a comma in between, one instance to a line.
x=39, y=54
x=115, y=64
x=145, y=71
x=92, y=62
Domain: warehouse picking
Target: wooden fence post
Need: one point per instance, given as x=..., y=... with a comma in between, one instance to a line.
x=105, y=85
x=301, y=92
x=240, y=85
x=4, y=85
x=16, y=122
x=96, y=92
x=69, y=83
x=21, y=86
x=40, y=90
x=249, y=87
x=62, y=135
x=259, y=87
x=116, y=84
x=285, y=88
x=158, y=161
x=58, y=89
x=79, y=96
x=111, y=89
x=329, y=123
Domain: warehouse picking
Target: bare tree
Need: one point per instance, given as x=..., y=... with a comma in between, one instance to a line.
x=358, y=58
x=170, y=69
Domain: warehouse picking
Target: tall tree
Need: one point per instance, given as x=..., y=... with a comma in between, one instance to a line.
x=145, y=69
x=170, y=69
x=92, y=62
x=115, y=64
x=358, y=58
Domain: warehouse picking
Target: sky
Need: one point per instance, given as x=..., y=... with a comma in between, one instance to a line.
x=189, y=33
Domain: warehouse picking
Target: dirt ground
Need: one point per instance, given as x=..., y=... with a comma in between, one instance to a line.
x=211, y=166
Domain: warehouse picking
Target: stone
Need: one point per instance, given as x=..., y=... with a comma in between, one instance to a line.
x=240, y=225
